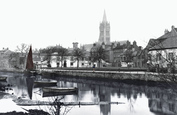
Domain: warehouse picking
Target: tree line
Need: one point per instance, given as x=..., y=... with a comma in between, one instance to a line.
x=62, y=54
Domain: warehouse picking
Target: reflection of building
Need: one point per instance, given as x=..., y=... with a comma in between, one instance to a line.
x=163, y=103
x=105, y=96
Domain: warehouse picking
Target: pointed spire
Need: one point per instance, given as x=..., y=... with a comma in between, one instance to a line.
x=104, y=17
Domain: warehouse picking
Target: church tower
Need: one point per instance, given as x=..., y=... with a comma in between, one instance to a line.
x=104, y=31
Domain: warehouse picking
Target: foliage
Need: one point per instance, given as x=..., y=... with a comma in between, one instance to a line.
x=62, y=53
x=78, y=54
x=48, y=51
x=98, y=54
x=128, y=54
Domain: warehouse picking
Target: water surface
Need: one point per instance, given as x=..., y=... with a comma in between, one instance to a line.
x=139, y=98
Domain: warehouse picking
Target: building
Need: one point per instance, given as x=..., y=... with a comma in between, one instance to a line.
x=162, y=52
x=104, y=36
x=4, y=58
x=125, y=54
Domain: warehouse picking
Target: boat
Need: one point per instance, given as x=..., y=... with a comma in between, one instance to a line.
x=54, y=91
x=3, y=78
x=30, y=71
x=44, y=83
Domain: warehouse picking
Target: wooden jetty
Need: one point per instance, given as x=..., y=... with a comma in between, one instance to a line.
x=27, y=102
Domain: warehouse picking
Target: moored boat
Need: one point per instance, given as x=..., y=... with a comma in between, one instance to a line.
x=3, y=78
x=45, y=83
x=30, y=71
x=53, y=91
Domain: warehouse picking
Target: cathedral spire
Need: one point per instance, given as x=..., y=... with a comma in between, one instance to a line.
x=104, y=17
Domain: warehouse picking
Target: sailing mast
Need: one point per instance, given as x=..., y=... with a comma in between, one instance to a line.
x=29, y=63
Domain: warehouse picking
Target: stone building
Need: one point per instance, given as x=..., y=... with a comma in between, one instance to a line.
x=162, y=52
x=104, y=36
x=125, y=54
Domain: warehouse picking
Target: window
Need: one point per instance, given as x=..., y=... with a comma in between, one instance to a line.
x=71, y=63
x=170, y=56
x=158, y=57
x=82, y=58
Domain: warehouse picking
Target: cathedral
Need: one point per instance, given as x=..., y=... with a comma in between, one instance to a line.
x=104, y=36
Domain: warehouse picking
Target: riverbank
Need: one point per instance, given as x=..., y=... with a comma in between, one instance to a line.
x=105, y=73
x=113, y=75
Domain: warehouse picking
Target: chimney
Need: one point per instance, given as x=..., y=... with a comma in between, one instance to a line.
x=166, y=31
x=172, y=27
x=75, y=45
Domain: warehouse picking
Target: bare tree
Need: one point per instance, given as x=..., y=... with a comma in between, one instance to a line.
x=23, y=49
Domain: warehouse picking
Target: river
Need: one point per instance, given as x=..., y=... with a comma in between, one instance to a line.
x=138, y=98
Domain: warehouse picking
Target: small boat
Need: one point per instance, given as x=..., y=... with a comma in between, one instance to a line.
x=45, y=83
x=3, y=78
x=30, y=71
x=54, y=91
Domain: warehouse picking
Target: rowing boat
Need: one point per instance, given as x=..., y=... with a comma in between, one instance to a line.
x=52, y=91
x=45, y=82
x=3, y=78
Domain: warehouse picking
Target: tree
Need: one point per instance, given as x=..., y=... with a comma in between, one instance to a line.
x=78, y=54
x=128, y=55
x=62, y=53
x=48, y=51
x=13, y=59
x=23, y=49
x=98, y=54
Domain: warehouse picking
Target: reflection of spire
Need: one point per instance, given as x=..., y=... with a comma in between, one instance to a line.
x=104, y=95
x=104, y=17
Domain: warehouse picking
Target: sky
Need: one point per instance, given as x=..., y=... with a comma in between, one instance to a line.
x=43, y=23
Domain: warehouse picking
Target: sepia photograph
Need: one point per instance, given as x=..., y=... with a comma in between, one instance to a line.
x=88, y=57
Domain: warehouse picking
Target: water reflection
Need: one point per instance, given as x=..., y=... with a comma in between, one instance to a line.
x=161, y=99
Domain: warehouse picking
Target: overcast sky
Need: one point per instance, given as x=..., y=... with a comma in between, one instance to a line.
x=45, y=23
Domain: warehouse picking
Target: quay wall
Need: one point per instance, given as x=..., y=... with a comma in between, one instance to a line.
x=114, y=75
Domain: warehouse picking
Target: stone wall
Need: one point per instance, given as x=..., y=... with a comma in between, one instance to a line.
x=145, y=76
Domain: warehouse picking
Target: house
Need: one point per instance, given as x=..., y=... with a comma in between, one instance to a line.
x=4, y=58
x=162, y=52
x=126, y=54
x=69, y=60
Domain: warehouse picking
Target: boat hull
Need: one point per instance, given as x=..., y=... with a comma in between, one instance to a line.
x=54, y=91
x=3, y=78
x=45, y=83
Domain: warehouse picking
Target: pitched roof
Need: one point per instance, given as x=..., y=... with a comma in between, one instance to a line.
x=166, y=41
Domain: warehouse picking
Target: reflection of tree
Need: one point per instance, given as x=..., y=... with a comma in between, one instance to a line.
x=160, y=95
x=131, y=104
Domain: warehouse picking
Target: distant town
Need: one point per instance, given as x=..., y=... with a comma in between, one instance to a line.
x=160, y=55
